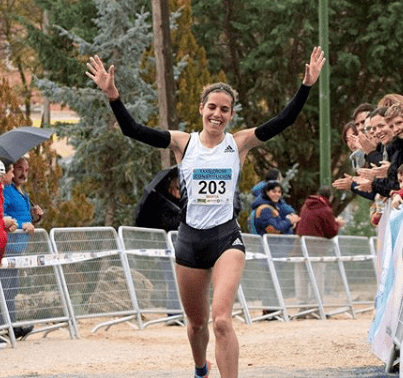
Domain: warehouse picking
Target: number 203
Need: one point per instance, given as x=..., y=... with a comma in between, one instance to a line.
x=212, y=187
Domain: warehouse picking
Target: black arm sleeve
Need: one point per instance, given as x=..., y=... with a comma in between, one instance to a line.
x=370, y=196
x=132, y=129
x=286, y=118
x=383, y=186
x=374, y=157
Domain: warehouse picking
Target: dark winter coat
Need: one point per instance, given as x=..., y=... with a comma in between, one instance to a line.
x=317, y=218
x=270, y=217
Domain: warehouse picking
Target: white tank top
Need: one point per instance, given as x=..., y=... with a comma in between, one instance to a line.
x=209, y=178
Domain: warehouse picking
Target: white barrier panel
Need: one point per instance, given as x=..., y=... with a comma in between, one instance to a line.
x=33, y=289
x=95, y=273
x=359, y=266
x=295, y=277
x=329, y=275
x=6, y=329
x=259, y=284
x=150, y=256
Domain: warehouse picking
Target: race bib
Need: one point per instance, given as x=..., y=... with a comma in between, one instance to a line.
x=212, y=186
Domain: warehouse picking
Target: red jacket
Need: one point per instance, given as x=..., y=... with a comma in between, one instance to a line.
x=3, y=231
x=317, y=218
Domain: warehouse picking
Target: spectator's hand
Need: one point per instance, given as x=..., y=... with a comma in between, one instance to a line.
x=363, y=184
x=340, y=221
x=367, y=173
x=28, y=227
x=104, y=80
x=343, y=183
x=294, y=218
x=312, y=70
x=10, y=224
x=37, y=213
x=365, y=144
x=396, y=201
x=382, y=171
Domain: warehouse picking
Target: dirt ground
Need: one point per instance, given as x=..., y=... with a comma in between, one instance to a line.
x=298, y=344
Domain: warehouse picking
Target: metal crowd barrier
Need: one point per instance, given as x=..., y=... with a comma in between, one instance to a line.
x=359, y=263
x=295, y=276
x=52, y=281
x=95, y=273
x=152, y=267
x=260, y=288
x=328, y=275
x=32, y=289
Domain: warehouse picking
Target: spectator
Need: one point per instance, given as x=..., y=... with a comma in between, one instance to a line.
x=317, y=219
x=271, y=213
x=16, y=201
x=7, y=224
x=390, y=99
x=357, y=157
x=161, y=211
x=370, y=144
x=397, y=195
x=273, y=174
x=17, y=206
x=384, y=179
x=349, y=136
x=360, y=114
x=363, y=184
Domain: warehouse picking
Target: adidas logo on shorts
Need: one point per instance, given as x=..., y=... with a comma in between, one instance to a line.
x=229, y=149
x=237, y=241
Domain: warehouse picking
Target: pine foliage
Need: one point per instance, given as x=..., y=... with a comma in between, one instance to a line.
x=113, y=168
x=263, y=45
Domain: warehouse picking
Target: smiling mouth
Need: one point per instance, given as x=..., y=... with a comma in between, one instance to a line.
x=215, y=122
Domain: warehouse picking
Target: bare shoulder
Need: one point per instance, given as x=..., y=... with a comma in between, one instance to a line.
x=179, y=140
x=246, y=140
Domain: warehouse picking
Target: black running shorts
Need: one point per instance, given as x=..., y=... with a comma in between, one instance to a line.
x=202, y=248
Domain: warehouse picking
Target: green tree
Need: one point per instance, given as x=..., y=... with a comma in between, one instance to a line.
x=57, y=53
x=195, y=75
x=263, y=45
x=18, y=54
x=45, y=173
x=43, y=187
x=113, y=169
x=11, y=115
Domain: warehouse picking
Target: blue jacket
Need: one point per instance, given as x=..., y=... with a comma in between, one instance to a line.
x=270, y=217
x=17, y=205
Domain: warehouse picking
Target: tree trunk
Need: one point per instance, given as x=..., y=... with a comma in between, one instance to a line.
x=165, y=77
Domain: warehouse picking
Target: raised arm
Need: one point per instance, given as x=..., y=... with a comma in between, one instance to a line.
x=105, y=80
x=313, y=69
x=250, y=138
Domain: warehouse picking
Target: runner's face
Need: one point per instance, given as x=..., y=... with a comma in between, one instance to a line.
x=216, y=112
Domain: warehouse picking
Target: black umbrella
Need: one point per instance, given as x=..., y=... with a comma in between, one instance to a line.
x=15, y=143
x=157, y=203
